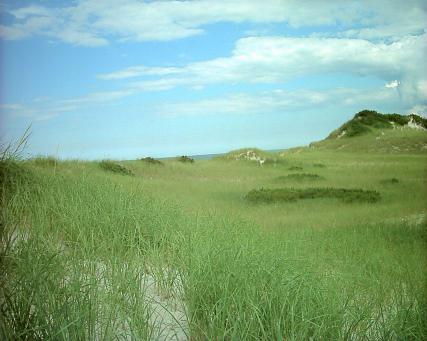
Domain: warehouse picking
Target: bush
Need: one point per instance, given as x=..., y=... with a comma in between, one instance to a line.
x=292, y=194
x=319, y=165
x=185, y=159
x=398, y=119
x=300, y=177
x=295, y=168
x=391, y=181
x=111, y=166
x=151, y=161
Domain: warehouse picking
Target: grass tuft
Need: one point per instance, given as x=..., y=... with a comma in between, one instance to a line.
x=44, y=161
x=113, y=167
x=300, y=177
x=293, y=194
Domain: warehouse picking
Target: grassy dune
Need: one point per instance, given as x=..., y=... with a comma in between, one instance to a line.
x=175, y=251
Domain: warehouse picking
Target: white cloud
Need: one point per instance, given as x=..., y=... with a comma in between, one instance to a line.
x=419, y=110
x=278, y=101
x=392, y=84
x=97, y=97
x=11, y=106
x=396, y=19
x=46, y=108
x=94, y=22
x=280, y=59
x=137, y=71
x=32, y=10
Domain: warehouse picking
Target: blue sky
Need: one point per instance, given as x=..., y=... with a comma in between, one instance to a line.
x=126, y=79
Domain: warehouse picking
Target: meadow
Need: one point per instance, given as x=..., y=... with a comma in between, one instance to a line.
x=142, y=250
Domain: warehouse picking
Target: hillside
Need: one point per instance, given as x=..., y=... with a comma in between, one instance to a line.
x=375, y=132
x=369, y=120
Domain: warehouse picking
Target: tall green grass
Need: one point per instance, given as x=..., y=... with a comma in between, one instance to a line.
x=80, y=247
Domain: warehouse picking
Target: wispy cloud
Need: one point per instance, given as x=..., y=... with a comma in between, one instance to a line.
x=46, y=108
x=96, y=23
x=138, y=71
x=276, y=101
x=393, y=84
x=279, y=59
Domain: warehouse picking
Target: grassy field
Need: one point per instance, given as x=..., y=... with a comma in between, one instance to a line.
x=94, y=251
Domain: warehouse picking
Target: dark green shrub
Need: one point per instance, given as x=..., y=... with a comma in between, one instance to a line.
x=292, y=194
x=185, y=159
x=113, y=167
x=151, y=161
x=319, y=165
x=391, y=181
x=300, y=177
x=295, y=168
x=398, y=119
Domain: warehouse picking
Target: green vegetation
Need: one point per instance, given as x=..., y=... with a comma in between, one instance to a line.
x=293, y=194
x=151, y=161
x=300, y=177
x=366, y=120
x=397, y=141
x=111, y=166
x=45, y=161
x=88, y=255
x=185, y=159
x=391, y=181
x=295, y=168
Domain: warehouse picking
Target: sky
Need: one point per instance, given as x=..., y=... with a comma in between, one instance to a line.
x=126, y=79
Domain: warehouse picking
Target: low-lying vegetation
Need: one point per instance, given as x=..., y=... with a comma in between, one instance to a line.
x=300, y=177
x=151, y=161
x=44, y=161
x=114, y=167
x=391, y=181
x=319, y=165
x=85, y=255
x=185, y=159
x=293, y=194
x=295, y=168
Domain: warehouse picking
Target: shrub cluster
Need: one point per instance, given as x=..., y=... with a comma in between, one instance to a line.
x=111, y=166
x=151, y=161
x=295, y=168
x=185, y=159
x=293, y=194
x=391, y=181
x=300, y=177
